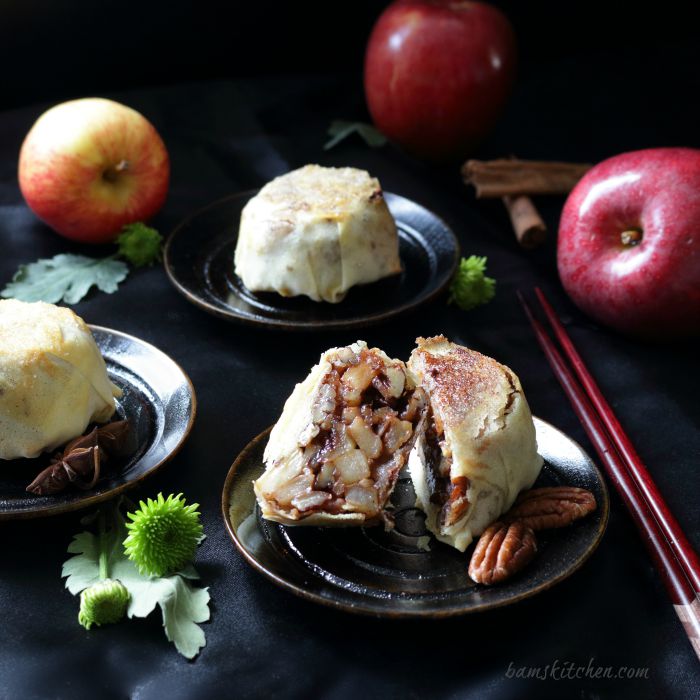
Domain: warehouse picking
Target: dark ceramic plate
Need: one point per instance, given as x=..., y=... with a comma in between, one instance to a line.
x=369, y=571
x=199, y=261
x=158, y=398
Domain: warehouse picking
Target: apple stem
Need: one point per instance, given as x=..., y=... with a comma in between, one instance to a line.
x=112, y=173
x=631, y=237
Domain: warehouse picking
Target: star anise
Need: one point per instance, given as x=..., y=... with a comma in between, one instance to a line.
x=80, y=461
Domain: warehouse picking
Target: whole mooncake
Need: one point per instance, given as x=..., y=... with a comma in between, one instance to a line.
x=317, y=232
x=53, y=380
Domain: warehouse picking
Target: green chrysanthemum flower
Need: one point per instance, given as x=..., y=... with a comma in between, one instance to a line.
x=103, y=603
x=163, y=536
x=139, y=244
x=470, y=287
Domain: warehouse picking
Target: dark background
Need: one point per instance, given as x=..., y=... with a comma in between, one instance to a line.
x=241, y=92
x=54, y=50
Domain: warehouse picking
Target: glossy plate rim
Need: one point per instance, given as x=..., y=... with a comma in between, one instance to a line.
x=370, y=611
x=94, y=499
x=306, y=326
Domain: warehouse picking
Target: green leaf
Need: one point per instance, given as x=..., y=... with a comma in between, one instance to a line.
x=139, y=244
x=65, y=277
x=182, y=605
x=470, y=287
x=145, y=591
x=82, y=570
x=340, y=130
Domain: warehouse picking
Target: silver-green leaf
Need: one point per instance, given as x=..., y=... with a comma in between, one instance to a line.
x=182, y=604
x=82, y=570
x=65, y=277
x=340, y=130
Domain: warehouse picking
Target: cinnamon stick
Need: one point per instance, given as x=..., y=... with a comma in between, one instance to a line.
x=513, y=177
x=529, y=227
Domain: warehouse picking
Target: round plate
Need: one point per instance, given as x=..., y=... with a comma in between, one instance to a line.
x=158, y=398
x=387, y=574
x=198, y=258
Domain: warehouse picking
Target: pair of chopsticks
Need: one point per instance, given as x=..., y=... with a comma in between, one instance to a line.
x=672, y=553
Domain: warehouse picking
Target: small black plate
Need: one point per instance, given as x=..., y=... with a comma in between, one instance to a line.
x=159, y=400
x=387, y=574
x=198, y=258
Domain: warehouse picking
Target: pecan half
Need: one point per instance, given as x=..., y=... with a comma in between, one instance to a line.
x=550, y=507
x=502, y=550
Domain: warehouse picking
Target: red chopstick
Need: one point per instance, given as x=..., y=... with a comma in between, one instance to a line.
x=685, y=601
x=667, y=522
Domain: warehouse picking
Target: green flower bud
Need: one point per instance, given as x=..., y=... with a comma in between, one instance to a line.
x=139, y=244
x=163, y=535
x=103, y=603
x=470, y=287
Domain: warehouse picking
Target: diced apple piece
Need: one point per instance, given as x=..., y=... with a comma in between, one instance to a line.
x=362, y=499
x=397, y=381
x=298, y=486
x=366, y=440
x=307, y=501
x=344, y=357
x=350, y=413
x=354, y=381
x=391, y=384
x=342, y=443
x=397, y=433
x=352, y=466
x=324, y=478
x=310, y=455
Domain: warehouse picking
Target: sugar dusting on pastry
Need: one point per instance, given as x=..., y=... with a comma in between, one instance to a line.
x=479, y=449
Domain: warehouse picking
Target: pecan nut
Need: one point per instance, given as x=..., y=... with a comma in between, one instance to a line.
x=551, y=507
x=502, y=550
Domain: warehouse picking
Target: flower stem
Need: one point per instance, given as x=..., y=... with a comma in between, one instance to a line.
x=104, y=573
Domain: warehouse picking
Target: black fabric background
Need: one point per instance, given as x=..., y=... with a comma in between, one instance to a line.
x=229, y=135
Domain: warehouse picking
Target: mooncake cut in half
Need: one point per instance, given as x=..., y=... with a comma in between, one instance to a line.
x=53, y=380
x=317, y=232
x=478, y=448
x=344, y=435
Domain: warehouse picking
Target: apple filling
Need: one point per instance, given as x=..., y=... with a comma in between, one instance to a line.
x=448, y=493
x=364, y=420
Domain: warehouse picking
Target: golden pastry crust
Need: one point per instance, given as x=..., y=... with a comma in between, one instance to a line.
x=53, y=380
x=317, y=232
x=447, y=371
x=479, y=450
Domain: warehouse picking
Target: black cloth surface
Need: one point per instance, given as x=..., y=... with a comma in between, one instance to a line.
x=262, y=641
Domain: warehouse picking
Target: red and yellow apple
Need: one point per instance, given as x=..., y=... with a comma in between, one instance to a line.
x=88, y=167
x=438, y=73
x=629, y=242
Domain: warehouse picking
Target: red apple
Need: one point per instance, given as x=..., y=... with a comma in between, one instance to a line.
x=88, y=167
x=629, y=242
x=438, y=73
